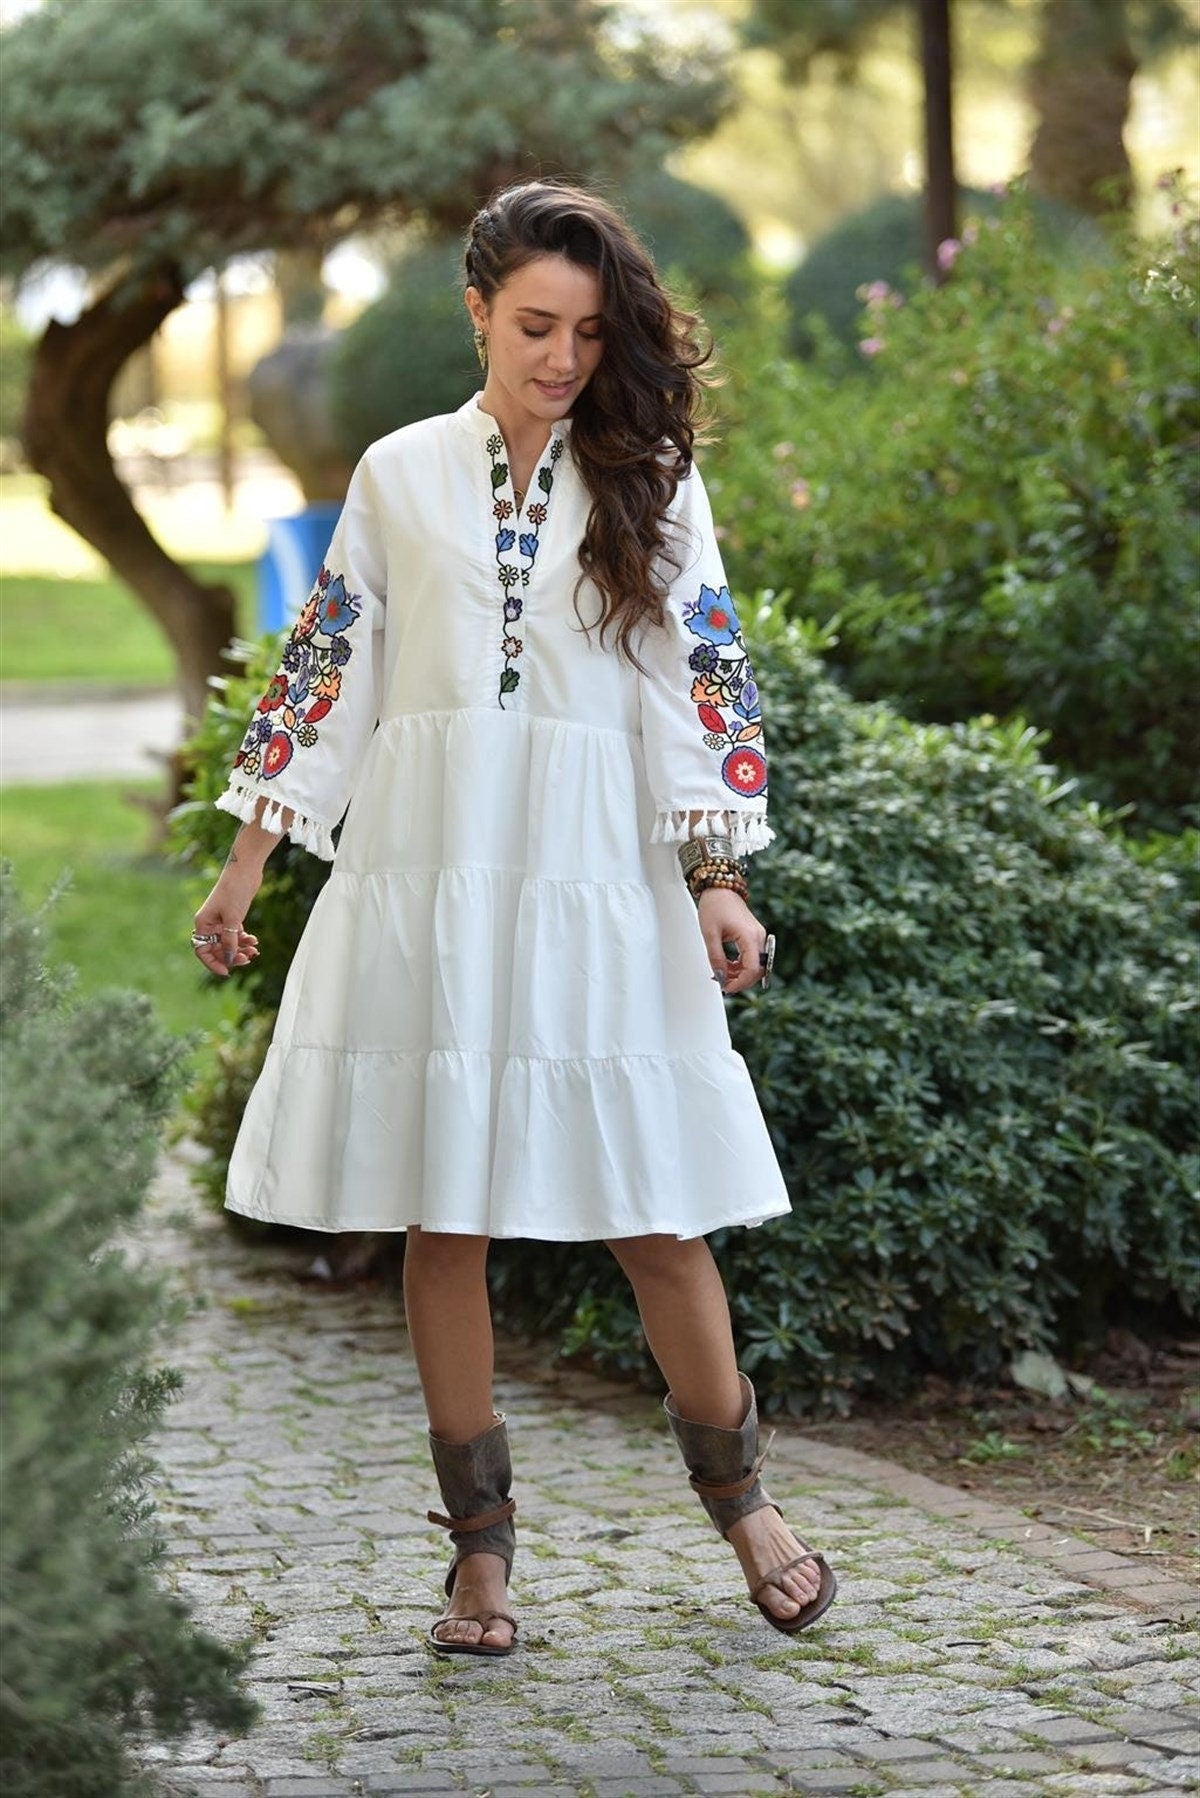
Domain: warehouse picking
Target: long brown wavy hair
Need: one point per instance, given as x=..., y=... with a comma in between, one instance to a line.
x=644, y=396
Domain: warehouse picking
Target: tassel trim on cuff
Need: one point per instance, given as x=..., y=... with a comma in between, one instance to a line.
x=241, y=799
x=749, y=830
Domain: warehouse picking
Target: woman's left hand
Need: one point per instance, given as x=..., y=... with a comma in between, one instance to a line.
x=726, y=918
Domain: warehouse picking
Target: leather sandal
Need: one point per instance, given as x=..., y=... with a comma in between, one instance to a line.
x=470, y=1474
x=724, y=1470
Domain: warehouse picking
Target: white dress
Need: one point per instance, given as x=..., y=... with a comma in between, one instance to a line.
x=501, y=1018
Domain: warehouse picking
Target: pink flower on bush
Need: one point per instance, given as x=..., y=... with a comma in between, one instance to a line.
x=948, y=252
x=871, y=346
x=878, y=293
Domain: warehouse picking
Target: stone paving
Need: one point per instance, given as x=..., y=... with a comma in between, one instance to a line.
x=970, y=1651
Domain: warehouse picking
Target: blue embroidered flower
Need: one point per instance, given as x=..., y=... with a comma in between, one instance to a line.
x=505, y=540
x=713, y=616
x=529, y=544
x=339, y=652
x=703, y=658
x=336, y=609
x=513, y=607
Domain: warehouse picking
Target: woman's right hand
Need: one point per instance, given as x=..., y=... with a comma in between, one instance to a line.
x=223, y=914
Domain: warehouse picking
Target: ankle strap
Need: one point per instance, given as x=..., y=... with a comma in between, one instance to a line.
x=734, y=1488
x=482, y=1521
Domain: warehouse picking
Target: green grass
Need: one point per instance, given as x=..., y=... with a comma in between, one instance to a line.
x=126, y=918
x=95, y=630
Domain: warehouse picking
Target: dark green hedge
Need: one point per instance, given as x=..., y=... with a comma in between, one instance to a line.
x=97, y=1653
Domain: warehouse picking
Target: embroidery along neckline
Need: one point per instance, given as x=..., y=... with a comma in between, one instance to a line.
x=516, y=549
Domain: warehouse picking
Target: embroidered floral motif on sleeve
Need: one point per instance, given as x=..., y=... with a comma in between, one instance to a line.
x=725, y=679
x=516, y=551
x=308, y=683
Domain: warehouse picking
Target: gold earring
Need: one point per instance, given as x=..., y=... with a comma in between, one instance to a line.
x=481, y=349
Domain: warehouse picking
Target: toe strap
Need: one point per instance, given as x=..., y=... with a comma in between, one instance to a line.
x=776, y=1573
x=483, y=1617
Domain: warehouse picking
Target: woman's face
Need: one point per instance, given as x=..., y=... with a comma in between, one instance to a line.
x=543, y=334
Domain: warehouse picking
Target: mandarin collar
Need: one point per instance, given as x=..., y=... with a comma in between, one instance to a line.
x=472, y=417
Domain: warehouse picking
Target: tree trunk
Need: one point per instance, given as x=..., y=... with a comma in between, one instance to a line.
x=65, y=437
x=1080, y=87
x=941, y=192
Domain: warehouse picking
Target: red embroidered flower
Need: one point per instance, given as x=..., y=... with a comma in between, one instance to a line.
x=277, y=756
x=275, y=695
x=745, y=770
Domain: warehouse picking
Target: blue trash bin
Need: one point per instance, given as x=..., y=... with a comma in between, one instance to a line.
x=290, y=563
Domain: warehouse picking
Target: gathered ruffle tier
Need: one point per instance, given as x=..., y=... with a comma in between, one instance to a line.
x=501, y=1018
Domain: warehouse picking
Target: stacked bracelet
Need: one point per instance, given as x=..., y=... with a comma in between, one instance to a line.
x=710, y=862
x=718, y=874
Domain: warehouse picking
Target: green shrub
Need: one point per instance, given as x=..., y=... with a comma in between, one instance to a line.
x=199, y=837
x=96, y=1651
x=409, y=355
x=1002, y=513
x=885, y=242
x=977, y=1066
x=690, y=232
x=16, y=354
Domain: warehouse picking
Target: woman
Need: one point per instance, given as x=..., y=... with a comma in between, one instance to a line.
x=522, y=659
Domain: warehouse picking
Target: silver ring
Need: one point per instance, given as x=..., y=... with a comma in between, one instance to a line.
x=766, y=961
x=199, y=940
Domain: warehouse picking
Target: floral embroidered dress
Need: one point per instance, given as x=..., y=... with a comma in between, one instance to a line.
x=501, y=1018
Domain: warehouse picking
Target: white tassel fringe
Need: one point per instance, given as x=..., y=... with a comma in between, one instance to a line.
x=749, y=830
x=241, y=799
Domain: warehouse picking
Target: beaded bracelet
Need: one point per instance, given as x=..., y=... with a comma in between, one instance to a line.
x=720, y=871
x=710, y=861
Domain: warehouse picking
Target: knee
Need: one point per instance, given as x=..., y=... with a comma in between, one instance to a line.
x=658, y=1257
x=438, y=1249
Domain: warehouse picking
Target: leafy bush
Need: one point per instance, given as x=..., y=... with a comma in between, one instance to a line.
x=884, y=242
x=199, y=837
x=1001, y=514
x=16, y=353
x=95, y=1649
x=409, y=355
x=689, y=231
x=977, y=1065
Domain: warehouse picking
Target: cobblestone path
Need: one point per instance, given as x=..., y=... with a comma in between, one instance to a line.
x=965, y=1655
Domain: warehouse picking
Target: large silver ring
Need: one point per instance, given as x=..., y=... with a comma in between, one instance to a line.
x=200, y=939
x=766, y=961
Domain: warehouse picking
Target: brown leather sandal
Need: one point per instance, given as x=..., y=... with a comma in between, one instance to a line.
x=469, y=1526
x=469, y=1474
x=724, y=1471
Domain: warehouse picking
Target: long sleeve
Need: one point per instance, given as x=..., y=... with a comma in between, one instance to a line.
x=305, y=741
x=701, y=722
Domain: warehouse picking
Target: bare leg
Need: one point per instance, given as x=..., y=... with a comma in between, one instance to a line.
x=450, y=1327
x=685, y=1314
